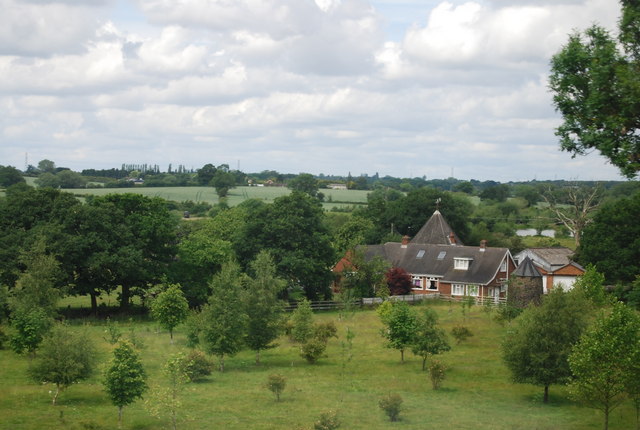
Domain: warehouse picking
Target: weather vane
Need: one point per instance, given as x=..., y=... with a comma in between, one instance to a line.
x=438, y=200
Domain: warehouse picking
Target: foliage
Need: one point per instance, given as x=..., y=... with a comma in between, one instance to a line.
x=362, y=278
x=29, y=325
x=437, y=373
x=429, y=338
x=612, y=241
x=398, y=281
x=170, y=308
x=165, y=400
x=304, y=183
x=276, y=384
x=602, y=360
x=352, y=233
x=223, y=181
x=461, y=333
x=9, y=175
x=325, y=330
x=538, y=345
x=125, y=378
x=264, y=310
x=391, y=405
x=312, y=349
x=400, y=327
x=327, y=421
x=302, y=320
x=196, y=366
x=224, y=319
x=64, y=358
x=596, y=89
x=506, y=312
x=112, y=332
x=591, y=285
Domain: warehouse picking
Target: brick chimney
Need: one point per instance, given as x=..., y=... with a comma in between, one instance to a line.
x=452, y=238
x=405, y=241
x=483, y=245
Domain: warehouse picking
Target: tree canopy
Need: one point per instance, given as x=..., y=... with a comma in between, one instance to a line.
x=596, y=88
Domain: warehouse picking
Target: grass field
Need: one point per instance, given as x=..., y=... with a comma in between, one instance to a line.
x=477, y=393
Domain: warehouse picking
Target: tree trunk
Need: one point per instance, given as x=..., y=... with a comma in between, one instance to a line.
x=55, y=396
x=124, y=297
x=119, y=416
x=546, y=394
x=402, y=355
x=258, y=357
x=171, y=336
x=606, y=417
x=424, y=363
x=94, y=303
x=222, y=363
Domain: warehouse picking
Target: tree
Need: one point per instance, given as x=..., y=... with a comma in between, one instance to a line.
x=264, y=310
x=65, y=357
x=391, y=405
x=401, y=325
x=429, y=338
x=597, y=91
x=125, y=378
x=29, y=325
x=70, y=179
x=498, y=193
x=223, y=181
x=612, y=241
x=46, y=166
x=362, y=278
x=305, y=183
x=224, y=319
x=205, y=175
x=537, y=347
x=302, y=322
x=170, y=308
x=276, y=384
x=601, y=361
x=399, y=281
x=47, y=180
x=165, y=399
x=9, y=175
x=591, y=285
x=573, y=206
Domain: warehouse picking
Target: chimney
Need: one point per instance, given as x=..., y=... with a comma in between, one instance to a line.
x=405, y=241
x=452, y=238
x=483, y=245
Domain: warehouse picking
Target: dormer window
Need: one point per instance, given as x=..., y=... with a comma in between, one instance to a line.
x=461, y=263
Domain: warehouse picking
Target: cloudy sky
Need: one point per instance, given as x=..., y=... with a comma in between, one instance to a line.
x=397, y=87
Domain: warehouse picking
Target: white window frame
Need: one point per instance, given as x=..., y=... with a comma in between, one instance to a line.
x=473, y=288
x=461, y=263
x=460, y=289
x=428, y=284
x=415, y=286
x=503, y=266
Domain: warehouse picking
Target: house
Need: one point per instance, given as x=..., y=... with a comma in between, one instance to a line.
x=438, y=262
x=555, y=265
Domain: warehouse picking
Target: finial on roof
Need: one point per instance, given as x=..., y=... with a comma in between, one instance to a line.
x=438, y=201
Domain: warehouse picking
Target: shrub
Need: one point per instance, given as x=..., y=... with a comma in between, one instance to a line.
x=437, y=372
x=276, y=384
x=324, y=331
x=461, y=333
x=112, y=332
x=327, y=421
x=313, y=349
x=302, y=319
x=391, y=405
x=196, y=365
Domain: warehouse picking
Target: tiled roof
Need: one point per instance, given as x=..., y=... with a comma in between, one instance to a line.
x=527, y=269
x=436, y=231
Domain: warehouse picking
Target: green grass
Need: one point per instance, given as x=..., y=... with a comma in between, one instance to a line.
x=477, y=393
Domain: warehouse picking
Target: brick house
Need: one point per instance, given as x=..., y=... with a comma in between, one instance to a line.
x=555, y=265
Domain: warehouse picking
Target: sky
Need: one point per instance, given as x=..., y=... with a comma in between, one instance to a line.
x=405, y=88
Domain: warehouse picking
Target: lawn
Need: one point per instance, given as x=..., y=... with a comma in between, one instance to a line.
x=476, y=394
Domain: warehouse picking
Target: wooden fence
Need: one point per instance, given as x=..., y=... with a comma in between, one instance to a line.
x=325, y=305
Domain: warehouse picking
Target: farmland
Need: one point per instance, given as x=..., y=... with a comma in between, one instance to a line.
x=477, y=393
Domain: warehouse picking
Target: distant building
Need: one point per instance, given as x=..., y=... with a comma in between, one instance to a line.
x=555, y=265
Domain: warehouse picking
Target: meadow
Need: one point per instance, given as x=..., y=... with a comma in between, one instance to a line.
x=477, y=392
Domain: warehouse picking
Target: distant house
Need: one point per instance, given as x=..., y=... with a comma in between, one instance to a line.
x=438, y=262
x=555, y=264
x=337, y=186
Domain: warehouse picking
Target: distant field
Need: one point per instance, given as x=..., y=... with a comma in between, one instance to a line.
x=237, y=195
x=477, y=393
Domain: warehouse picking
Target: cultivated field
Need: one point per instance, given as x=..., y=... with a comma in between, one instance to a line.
x=477, y=393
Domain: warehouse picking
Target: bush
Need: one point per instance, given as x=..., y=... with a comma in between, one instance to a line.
x=313, y=349
x=3, y=337
x=196, y=365
x=276, y=384
x=328, y=421
x=302, y=320
x=324, y=331
x=437, y=372
x=391, y=405
x=461, y=333
x=506, y=313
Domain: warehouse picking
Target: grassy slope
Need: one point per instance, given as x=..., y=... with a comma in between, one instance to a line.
x=477, y=393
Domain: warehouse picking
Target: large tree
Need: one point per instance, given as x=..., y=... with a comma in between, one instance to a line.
x=596, y=88
x=612, y=241
x=9, y=175
x=537, y=347
x=292, y=230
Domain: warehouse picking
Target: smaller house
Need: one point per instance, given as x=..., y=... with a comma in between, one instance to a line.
x=554, y=264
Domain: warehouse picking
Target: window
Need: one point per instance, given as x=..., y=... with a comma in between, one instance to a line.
x=441, y=255
x=472, y=290
x=417, y=282
x=432, y=284
x=461, y=263
x=420, y=254
x=503, y=266
x=457, y=290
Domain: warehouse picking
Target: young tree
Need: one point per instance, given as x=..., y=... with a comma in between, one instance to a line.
x=401, y=325
x=429, y=338
x=264, y=310
x=602, y=361
x=170, y=308
x=125, y=378
x=537, y=347
x=276, y=384
x=224, y=320
x=29, y=325
x=302, y=321
x=165, y=400
x=596, y=89
x=591, y=285
x=392, y=406
x=65, y=357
